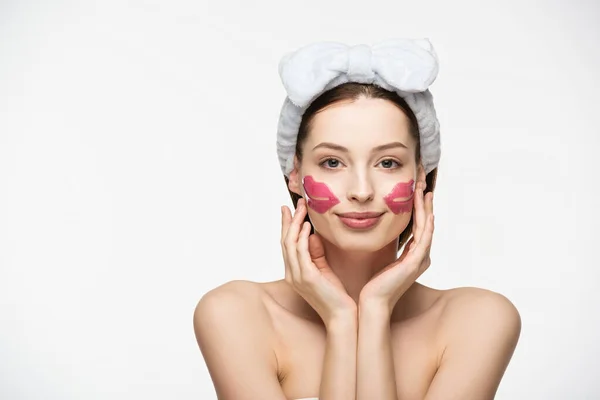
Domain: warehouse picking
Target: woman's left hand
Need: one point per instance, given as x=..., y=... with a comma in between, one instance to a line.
x=386, y=287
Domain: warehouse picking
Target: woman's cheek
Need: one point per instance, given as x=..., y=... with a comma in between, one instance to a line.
x=319, y=196
x=400, y=199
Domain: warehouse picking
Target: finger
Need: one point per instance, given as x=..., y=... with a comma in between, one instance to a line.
x=421, y=249
x=422, y=177
x=291, y=238
x=302, y=253
x=430, y=232
x=315, y=247
x=418, y=214
x=425, y=251
x=406, y=249
x=286, y=219
x=296, y=222
x=429, y=203
x=407, y=258
x=317, y=251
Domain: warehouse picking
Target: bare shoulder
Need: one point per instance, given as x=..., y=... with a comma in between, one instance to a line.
x=233, y=331
x=473, y=311
x=235, y=304
x=237, y=286
x=474, y=299
x=479, y=330
x=232, y=297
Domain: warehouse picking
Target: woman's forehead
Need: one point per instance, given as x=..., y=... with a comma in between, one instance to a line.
x=365, y=122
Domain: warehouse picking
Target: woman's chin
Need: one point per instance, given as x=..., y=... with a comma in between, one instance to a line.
x=363, y=243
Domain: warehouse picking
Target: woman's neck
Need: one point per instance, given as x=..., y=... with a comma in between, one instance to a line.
x=355, y=269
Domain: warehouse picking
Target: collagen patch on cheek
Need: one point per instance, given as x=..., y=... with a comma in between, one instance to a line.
x=400, y=199
x=318, y=196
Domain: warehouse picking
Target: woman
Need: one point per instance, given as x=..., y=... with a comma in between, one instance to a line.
x=358, y=143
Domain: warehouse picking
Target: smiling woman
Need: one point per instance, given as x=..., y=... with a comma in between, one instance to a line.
x=358, y=144
x=346, y=94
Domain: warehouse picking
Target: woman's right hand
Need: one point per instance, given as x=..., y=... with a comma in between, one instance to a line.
x=307, y=270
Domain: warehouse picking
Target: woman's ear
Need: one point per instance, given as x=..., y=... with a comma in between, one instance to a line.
x=295, y=183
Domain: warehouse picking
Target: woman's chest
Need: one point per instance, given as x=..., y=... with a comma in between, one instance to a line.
x=301, y=350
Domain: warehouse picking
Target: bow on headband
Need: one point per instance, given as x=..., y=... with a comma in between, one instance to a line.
x=405, y=66
x=399, y=64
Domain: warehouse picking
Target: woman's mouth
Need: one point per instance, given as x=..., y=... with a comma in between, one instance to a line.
x=360, y=220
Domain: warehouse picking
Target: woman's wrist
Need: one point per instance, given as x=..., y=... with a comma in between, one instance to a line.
x=343, y=321
x=372, y=308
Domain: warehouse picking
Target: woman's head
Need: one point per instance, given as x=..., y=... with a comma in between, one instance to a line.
x=358, y=146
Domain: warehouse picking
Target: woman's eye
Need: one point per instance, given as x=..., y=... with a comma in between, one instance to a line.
x=389, y=164
x=331, y=163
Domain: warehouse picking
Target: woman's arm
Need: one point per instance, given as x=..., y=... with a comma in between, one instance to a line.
x=309, y=274
x=375, y=363
x=338, y=379
x=376, y=375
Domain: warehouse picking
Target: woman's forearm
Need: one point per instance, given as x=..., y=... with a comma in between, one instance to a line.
x=338, y=379
x=375, y=363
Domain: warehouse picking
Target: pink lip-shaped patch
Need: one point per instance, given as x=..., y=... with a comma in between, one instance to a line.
x=318, y=196
x=401, y=197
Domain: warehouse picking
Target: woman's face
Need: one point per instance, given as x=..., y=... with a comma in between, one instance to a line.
x=357, y=173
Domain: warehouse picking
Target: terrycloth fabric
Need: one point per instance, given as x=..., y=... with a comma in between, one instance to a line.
x=406, y=66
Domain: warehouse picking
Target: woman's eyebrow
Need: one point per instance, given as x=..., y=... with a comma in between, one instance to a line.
x=334, y=146
x=389, y=146
x=331, y=146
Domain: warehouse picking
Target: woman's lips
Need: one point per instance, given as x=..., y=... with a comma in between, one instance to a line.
x=360, y=220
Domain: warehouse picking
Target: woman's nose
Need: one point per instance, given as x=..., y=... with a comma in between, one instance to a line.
x=360, y=189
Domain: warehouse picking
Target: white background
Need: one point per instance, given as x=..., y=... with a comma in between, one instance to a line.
x=138, y=171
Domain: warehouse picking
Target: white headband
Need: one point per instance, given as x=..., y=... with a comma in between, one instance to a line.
x=404, y=66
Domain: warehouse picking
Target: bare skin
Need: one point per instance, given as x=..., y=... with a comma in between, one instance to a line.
x=322, y=331
x=300, y=339
x=421, y=328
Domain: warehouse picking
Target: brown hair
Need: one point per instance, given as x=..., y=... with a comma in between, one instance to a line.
x=352, y=91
